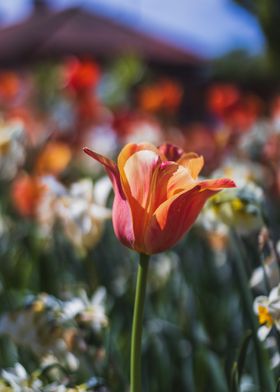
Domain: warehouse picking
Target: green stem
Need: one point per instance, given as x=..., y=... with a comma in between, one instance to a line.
x=135, y=356
x=265, y=376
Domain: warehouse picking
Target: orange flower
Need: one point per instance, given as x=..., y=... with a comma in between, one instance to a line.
x=172, y=94
x=165, y=95
x=53, y=159
x=157, y=194
x=26, y=193
x=150, y=98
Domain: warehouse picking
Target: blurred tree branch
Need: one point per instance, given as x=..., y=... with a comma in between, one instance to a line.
x=268, y=14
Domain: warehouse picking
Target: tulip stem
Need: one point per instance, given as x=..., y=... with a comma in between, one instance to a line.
x=135, y=356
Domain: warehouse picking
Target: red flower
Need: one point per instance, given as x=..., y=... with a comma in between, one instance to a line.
x=26, y=193
x=82, y=75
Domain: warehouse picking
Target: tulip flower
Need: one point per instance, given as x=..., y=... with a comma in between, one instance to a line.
x=158, y=195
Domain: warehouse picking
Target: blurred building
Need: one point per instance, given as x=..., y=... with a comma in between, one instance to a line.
x=77, y=31
x=49, y=34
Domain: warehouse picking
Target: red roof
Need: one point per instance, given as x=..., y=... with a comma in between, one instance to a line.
x=75, y=31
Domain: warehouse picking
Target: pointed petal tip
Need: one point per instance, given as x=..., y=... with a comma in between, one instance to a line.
x=225, y=183
x=87, y=150
x=229, y=183
x=106, y=162
x=94, y=155
x=217, y=184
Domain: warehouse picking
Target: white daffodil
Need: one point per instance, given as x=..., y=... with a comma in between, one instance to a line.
x=269, y=271
x=239, y=208
x=82, y=212
x=144, y=129
x=252, y=142
x=161, y=269
x=12, y=149
x=55, y=329
x=268, y=311
x=46, y=209
x=243, y=173
x=18, y=379
x=102, y=138
x=88, y=311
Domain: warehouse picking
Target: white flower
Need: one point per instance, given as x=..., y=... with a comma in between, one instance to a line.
x=101, y=138
x=12, y=149
x=144, y=129
x=18, y=379
x=252, y=142
x=46, y=209
x=161, y=269
x=269, y=271
x=240, y=208
x=243, y=173
x=268, y=311
x=271, y=345
x=82, y=212
x=89, y=311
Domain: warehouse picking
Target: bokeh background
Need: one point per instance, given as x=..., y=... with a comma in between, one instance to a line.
x=203, y=75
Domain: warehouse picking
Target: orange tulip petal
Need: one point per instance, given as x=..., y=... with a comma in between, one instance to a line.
x=126, y=153
x=193, y=162
x=173, y=218
x=136, y=163
x=216, y=184
x=171, y=179
x=138, y=170
x=156, y=198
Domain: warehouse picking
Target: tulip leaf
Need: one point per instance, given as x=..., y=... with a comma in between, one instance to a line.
x=238, y=366
x=243, y=352
x=278, y=385
x=234, y=378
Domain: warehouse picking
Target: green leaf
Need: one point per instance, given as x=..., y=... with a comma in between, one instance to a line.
x=243, y=353
x=234, y=378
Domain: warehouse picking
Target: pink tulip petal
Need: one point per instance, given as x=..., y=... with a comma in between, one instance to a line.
x=108, y=164
x=122, y=215
x=171, y=152
x=122, y=220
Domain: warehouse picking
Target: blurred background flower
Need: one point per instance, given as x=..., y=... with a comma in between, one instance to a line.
x=202, y=75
